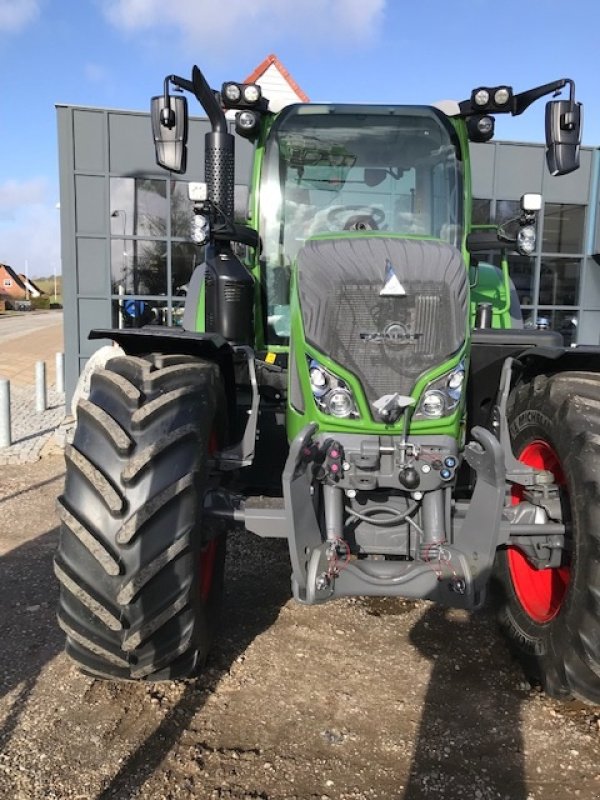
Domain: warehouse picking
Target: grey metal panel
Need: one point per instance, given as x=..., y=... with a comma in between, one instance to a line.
x=90, y=204
x=89, y=140
x=572, y=188
x=589, y=328
x=519, y=169
x=93, y=313
x=92, y=276
x=590, y=285
x=482, y=169
x=131, y=147
x=67, y=236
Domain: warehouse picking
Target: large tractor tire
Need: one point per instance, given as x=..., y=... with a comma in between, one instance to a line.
x=552, y=616
x=140, y=573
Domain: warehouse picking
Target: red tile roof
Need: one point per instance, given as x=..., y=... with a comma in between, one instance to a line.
x=264, y=66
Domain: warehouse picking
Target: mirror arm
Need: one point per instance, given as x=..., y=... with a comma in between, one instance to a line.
x=523, y=100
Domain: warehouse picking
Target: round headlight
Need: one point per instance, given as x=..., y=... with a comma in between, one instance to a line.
x=481, y=97
x=246, y=120
x=501, y=96
x=200, y=229
x=526, y=240
x=339, y=403
x=433, y=403
x=251, y=93
x=485, y=125
x=232, y=92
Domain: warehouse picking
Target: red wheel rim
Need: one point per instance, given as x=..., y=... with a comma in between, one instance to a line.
x=540, y=591
x=206, y=562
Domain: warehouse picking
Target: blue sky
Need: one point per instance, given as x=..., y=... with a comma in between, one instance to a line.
x=115, y=53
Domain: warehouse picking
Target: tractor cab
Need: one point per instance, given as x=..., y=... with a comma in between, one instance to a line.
x=345, y=170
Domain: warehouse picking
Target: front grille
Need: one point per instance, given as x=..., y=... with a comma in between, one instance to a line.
x=389, y=341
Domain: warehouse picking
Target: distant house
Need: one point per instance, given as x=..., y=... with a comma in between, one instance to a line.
x=14, y=286
x=277, y=84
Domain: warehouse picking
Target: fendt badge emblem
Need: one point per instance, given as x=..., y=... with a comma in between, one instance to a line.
x=392, y=286
x=394, y=334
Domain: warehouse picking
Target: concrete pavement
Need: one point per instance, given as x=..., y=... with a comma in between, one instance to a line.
x=24, y=340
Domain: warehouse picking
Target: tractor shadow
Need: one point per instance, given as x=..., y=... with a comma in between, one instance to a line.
x=28, y=630
x=469, y=742
x=252, y=603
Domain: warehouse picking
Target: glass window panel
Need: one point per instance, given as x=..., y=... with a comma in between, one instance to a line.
x=563, y=228
x=183, y=261
x=128, y=312
x=559, y=281
x=482, y=211
x=138, y=207
x=177, y=314
x=522, y=273
x=506, y=210
x=138, y=267
x=521, y=270
x=561, y=320
x=182, y=210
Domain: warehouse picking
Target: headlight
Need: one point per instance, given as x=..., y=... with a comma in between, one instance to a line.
x=251, y=93
x=485, y=125
x=481, y=97
x=502, y=96
x=442, y=396
x=339, y=403
x=433, y=404
x=232, y=92
x=526, y=240
x=332, y=395
x=319, y=382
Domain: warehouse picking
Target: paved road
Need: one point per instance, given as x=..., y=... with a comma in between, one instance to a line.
x=24, y=340
x=14, y=325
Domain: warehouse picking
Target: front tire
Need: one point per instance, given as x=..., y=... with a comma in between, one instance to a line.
x=140, y=574
x=552, y=617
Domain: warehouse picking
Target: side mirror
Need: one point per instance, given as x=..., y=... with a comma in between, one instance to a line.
x=170, y=129
x=563, y=136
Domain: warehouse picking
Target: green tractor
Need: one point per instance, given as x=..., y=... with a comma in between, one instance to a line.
x=350, y=376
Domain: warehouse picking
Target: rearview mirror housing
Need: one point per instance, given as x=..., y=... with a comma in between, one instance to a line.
x=170, y=140
x=563, y=136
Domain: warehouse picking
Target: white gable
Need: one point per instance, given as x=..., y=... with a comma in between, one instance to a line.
x=277, y=89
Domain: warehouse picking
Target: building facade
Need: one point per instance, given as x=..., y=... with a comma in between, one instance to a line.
x=126, y=256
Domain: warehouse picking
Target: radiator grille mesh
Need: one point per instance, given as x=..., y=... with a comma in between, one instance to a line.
x=387, y=342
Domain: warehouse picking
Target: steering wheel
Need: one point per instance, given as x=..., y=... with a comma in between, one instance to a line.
x=369, y=220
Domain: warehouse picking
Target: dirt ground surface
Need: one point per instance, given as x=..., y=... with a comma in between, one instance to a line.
x=355, y=699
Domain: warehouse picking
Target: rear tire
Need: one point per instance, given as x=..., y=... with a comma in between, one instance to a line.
x=140, y=574
x=553, y=620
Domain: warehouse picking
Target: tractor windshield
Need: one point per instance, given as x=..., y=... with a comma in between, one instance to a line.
x=333, y=169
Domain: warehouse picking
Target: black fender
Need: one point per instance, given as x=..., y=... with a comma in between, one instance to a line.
x=159, y=339
x=552, y=360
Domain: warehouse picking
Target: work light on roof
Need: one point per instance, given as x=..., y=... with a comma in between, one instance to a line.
x=232, y=92
x=251, y=93
x=481, y=97
x=502, y=95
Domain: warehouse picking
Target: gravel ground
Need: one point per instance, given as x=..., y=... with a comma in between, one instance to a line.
x=358, y=699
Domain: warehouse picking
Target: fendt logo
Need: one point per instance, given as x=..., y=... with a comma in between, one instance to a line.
x=391, y=284
x=395, y=334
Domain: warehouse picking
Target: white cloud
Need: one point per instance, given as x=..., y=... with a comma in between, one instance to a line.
x=16, y=14
x=17, y=194
x=29, y=226
x=212, y=24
